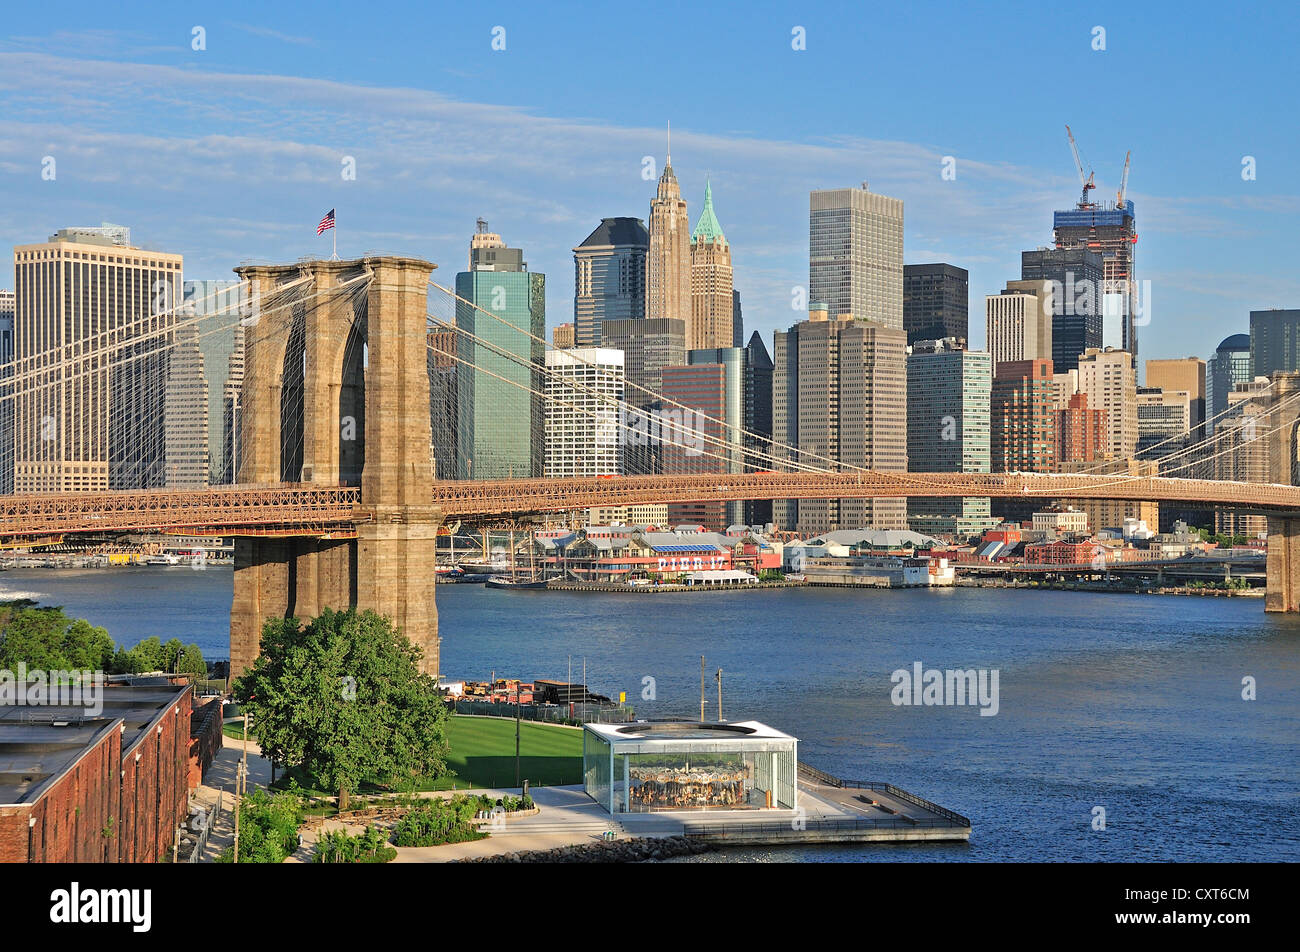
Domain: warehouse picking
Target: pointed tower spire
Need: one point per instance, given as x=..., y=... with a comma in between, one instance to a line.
x=707, y=225
x=669, y=159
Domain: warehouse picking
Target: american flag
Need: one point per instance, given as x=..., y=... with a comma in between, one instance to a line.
x=326, y=223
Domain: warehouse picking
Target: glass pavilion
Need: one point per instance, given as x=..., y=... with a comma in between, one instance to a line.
x=687, y=765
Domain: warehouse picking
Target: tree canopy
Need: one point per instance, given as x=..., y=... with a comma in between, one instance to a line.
x=45, y=638
x=342, y=698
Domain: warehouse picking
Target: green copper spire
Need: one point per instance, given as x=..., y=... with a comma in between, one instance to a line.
x=706, y=226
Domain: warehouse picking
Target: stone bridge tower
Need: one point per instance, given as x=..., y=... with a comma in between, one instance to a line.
x=1281, y=424
x=336, y=392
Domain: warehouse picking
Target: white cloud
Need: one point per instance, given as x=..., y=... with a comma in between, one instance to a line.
x=224, y=166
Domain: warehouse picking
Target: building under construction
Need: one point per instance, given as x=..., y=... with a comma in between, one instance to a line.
x=1110, y=230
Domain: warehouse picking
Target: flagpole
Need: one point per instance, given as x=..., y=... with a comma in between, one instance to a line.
x=335, y=237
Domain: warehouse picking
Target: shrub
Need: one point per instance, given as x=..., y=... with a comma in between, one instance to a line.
x=268, y=828
x=367, y=847
x=437, y=821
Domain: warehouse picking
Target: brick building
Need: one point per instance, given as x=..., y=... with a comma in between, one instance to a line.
x=107, y=788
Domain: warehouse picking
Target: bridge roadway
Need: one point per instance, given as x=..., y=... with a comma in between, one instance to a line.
x=307, y=509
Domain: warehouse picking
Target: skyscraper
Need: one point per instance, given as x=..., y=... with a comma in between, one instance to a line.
x=444, y=396
x=1188, y=374
x=668, y=261
x=1018, y=322
x=1110, y=381
x=185, y=412
x=855, y=250
x=1080, y=432
x=1229, y=366
x=1163, y=420
x=6, y=392
x=1241, y=455
x=583, y=391
x=499, y=405
x=948, y=399
x=215, y=309
x=609, y=278
x=487, y=252
x=232, y=395
x=648, y=346
x=1077, y=281
x=758, y=416
x=1110, y=231
x=936, y=302
x=714, y=392
x=733, y=385
x=839, y=393
x=1022, y=423
x=563, y=336
x=712, y=297
x=1274, y=341
x=737, y=322
x=93, y=324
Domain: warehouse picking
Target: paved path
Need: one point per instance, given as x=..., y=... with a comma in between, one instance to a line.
x=567, y=817
x=220, y=780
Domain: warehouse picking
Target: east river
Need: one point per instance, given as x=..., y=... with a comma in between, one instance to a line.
x=1132, y=703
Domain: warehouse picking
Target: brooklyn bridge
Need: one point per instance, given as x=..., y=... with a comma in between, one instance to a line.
x=336, y=503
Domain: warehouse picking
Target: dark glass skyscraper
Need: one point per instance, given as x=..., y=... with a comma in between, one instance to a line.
x=936, y=302
x=1274, y=341
x=1077, y=275
x=1229, y=366
x=609, y=277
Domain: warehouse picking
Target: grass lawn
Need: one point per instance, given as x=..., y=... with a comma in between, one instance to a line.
x=235, y=729
x=483, y=754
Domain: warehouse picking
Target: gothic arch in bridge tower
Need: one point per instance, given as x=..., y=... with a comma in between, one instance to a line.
x=344, y=364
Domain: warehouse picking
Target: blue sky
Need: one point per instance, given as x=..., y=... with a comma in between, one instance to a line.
x=234, y=152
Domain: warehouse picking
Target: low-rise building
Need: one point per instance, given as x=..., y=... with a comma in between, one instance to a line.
x=1058, y=521
x=102, y=783
x=1063, y=553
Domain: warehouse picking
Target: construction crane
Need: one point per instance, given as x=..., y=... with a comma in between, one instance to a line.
x=1123, y=182
x=1085, y=181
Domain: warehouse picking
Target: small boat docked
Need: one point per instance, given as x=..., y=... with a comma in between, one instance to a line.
x=505, y=581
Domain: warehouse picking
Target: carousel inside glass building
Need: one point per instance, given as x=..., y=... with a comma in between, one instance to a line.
x=646, y=767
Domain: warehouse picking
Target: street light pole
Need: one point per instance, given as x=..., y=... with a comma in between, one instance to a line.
x=241, y=784
x=701, y=689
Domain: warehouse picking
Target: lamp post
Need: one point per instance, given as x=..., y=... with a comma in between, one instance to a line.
x=241, y=783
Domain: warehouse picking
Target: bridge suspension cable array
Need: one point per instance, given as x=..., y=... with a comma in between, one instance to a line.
x=137, y=363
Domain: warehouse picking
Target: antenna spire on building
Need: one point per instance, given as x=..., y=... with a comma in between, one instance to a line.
x=669, y=156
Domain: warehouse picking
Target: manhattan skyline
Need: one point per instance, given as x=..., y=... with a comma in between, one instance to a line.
x=232, y=152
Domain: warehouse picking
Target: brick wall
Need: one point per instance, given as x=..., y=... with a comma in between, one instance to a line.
x=205, y=739
x=155, y=786
x=73, y=815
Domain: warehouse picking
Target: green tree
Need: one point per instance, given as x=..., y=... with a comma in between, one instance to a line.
x=47, y=639
x=342, y=698
x=268, y=830
x=191, y=662
x=150, y=651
